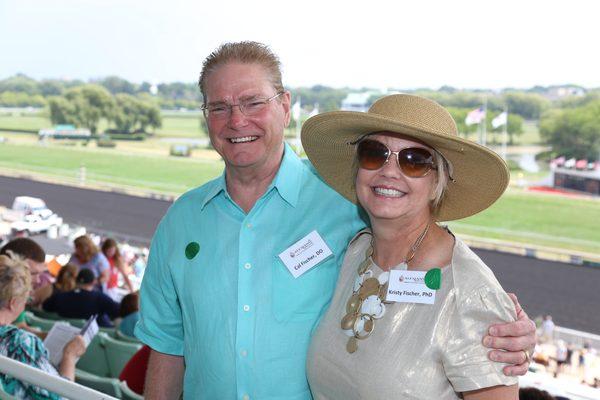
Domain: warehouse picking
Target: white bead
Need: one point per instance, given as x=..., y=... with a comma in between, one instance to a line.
x=381, y=312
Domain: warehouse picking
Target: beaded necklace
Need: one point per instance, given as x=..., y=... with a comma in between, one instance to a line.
x=367, y=302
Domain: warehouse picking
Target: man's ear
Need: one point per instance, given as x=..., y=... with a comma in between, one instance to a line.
x=286, y=102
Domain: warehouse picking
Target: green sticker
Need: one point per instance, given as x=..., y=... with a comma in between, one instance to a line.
x=433, y=278
x=191, y=250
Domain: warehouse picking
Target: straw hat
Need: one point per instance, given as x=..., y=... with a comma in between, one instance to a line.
x=480, y=175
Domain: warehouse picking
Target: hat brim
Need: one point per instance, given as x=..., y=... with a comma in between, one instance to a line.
x=480, y=175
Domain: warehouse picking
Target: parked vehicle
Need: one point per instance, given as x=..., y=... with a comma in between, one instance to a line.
x=31, y=215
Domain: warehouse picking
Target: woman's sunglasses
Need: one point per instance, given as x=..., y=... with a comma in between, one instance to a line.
x=414, y=162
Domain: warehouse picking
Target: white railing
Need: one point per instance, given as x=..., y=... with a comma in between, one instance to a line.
x=37, y=377
x=578, y=338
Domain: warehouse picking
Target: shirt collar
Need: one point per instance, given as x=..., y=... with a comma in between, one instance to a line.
x=218, y=186
x=287, y=181
x=289, y=177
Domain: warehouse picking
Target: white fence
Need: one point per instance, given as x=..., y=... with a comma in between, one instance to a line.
x=61, y=386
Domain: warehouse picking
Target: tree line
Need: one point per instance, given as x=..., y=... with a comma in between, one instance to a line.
x=86, y=105
x=570, y=124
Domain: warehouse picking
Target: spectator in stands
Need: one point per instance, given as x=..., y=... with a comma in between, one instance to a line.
x=534, y=394
x=35, y=257
x=134, y=372
x=561, y=356
x=87, y=256
x=117, y=266
x=130, y=312
x=15, y=343
x=84, y=301
x=66, y=280
x=547, y=328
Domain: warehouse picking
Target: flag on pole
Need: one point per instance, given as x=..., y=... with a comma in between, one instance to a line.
x=296, y=110
x=500, y=120
x=475, y=116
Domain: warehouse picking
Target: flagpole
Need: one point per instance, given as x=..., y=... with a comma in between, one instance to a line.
x=484, y=122
x=505, y=134
x=298, y=139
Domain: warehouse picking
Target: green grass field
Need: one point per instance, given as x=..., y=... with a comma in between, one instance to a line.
x=546, y=220
x=519, y=216
x=158, y=173
x=184, y=125
x=531, y=134
x=27, y=121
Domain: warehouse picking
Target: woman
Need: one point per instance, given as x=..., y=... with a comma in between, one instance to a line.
x=412, y=301
x=117, y=265
x=87, y=256
x=65, y=282
x=15, y=285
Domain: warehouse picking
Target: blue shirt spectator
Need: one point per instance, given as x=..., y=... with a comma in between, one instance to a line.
x=84, y=302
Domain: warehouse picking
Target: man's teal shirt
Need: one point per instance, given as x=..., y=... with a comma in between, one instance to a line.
x=216, y=292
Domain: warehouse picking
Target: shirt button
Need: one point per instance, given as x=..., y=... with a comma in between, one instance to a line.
x=247, y=265
x=245, y=397
x=246, y=307
x=249, y=226
x=243, y=353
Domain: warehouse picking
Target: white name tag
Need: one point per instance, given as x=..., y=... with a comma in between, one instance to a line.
x=409, y=287
x=305, y=254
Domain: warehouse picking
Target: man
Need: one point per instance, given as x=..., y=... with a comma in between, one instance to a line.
x=227, y=302
x=35, y=256
x=84, y=301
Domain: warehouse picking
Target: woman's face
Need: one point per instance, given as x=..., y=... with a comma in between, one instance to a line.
x=110, y=252
x=387, y=193
x=79, y=252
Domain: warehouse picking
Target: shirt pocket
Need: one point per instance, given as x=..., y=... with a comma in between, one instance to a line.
x=306, y=297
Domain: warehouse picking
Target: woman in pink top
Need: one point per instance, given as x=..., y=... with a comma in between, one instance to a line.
x=117, y=265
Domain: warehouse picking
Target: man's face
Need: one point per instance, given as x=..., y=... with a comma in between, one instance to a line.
x=35, y=269
x=246, y=141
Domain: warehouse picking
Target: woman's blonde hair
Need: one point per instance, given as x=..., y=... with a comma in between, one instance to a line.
x=443, y=173
x=15, y=279
x=87, y=247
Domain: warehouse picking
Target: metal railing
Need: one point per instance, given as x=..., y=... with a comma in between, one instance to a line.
x=61, y=386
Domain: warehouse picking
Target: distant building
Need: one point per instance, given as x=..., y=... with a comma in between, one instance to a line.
x=65, y=132
x=356, y=102
x=578, y=175
x=560, y=92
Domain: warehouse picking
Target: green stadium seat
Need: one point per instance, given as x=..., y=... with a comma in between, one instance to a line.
x=128, y=394
x=109, y=386
x=118, y=353
x=42, y=323
x=109, y=331
x=94, y=360
x=76, y=322
x=43, y=313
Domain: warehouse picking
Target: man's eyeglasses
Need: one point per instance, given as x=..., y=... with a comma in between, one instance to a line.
x=414, y=162
x=248, y=107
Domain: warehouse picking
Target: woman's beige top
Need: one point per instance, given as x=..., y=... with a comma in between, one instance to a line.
x=416, y=351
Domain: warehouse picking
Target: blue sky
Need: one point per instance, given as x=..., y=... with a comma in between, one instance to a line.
x=380, y=44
